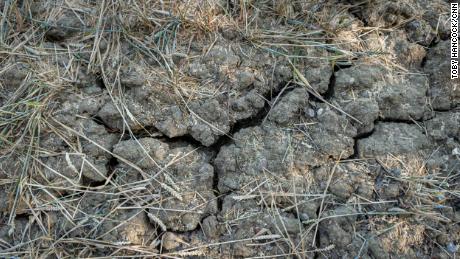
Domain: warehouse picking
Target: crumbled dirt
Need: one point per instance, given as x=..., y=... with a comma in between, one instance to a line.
x=228, y=129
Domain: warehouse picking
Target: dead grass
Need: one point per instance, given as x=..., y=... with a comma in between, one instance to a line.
x=397, y=233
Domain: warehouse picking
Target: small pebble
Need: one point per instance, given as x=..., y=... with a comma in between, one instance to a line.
x=304, y=217
x=452, y=248
x=320, y=111
x=311, y=113
x=440, y=197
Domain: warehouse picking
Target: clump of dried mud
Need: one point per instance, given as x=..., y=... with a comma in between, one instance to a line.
x=232, y=129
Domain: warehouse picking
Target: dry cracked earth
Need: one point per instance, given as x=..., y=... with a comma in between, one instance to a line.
x=228, y=129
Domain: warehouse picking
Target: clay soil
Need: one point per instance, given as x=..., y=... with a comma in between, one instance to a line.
x=228, y=129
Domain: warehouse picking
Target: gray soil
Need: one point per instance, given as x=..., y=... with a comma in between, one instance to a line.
x=228, y=129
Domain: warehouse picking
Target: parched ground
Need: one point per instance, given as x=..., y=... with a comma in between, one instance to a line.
x=228, y=129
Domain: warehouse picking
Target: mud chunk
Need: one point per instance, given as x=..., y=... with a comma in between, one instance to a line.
x=218, y=60
x=360, y=77
x=363, y=106
x=186, y=215
x=99, y=140
x=173, y=125
x=308, y=210
x=12, y=237
x=348, y=178
x=408, y=54
x=71, y=155
x=68, y=165
x=338, y=229
x=317, y=71
x=210, y=227
x=394, y=138
x=139, y=104
x=268, y=152
x=365, y=110
x=420, y=31
x=80, y=76
x=371, y=87
x=289, y=106
x=339, y=143
x=437, y=18
x=403, y=98
x=444, y=125
x=204, y=133
x=111, y=116
x=211, y=121
x=130, y=226
x=170, y=241
x=146, y=100
x=11, y=78
x=390, y=191
x=421, y=28
x=132, y=76
x=125, y=226
x=397, y=48
x=93, y=103
x=400, y=240
x=244, y=219
x=444, y=92
x=387, y=14
x=64, y=26
x=221, y=56
x=144, y=152
x=376, y=250
x=183, y=180
x=67, y=170
x=248, y=105
x=245, y=79
x=79, y=103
